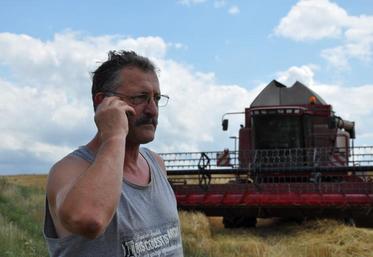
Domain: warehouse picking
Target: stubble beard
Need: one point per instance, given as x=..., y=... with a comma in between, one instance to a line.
x=141, y=131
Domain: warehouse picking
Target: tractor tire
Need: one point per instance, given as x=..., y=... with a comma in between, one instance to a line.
x=363, y=222
x=239, y=222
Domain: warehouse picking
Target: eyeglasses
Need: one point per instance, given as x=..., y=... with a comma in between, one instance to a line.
x=160, y=100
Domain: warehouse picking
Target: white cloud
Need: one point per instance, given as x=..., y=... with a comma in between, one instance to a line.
x=178, y=46
x=312, y=20
x=234, y=10
x=192, y=119
x=220, y=3
x=337, y=57
x=322, y=19
x=304, y=74
x=217, y=4
x=45, y=105
x=46, y=109
x=66, y=60
x=33, y=120
x=191, y=2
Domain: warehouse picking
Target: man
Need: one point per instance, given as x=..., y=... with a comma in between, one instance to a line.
x=111, y=197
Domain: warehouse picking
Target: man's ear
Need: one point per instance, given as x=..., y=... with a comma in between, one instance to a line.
x=98, y=98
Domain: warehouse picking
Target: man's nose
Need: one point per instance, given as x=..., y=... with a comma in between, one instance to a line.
x=151, y=106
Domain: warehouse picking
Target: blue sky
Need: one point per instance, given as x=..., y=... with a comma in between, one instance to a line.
x=214, y=57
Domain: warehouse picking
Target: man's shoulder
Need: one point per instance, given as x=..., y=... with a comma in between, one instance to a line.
x=65, y=170
x=157, y=158
x=68, y=161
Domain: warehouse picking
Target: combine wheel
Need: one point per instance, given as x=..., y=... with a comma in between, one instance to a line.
x=364, y=222
x=239, y=222
x=349, y=221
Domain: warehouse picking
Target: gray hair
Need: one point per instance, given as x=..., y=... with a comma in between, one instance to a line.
x=107, y=76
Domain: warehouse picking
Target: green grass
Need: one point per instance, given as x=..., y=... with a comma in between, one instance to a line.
x=21, y=215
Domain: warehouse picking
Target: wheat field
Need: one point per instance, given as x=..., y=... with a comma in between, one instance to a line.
x=204, y=236
x=21, y=216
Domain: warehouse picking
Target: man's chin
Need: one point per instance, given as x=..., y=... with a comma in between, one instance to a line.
x=146, y=141
x=142, y=135
x=146, y=137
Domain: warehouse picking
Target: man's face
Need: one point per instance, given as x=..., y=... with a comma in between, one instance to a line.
x=137, y=83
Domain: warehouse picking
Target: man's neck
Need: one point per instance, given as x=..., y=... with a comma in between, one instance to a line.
x=135, y=167
x=132, y=152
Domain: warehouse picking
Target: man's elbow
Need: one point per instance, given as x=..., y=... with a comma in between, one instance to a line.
x=88, y=225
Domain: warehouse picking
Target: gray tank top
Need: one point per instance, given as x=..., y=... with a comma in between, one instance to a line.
x=146, y=222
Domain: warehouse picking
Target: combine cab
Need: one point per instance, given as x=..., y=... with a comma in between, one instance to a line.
x=294, y=160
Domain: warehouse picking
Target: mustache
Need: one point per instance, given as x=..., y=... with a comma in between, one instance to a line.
x=144, y=120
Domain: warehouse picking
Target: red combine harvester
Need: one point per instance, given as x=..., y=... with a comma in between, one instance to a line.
x=294, y=160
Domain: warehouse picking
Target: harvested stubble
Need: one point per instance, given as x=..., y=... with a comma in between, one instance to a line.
x=318, y=238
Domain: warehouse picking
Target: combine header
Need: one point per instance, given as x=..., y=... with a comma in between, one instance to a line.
x=295, y=159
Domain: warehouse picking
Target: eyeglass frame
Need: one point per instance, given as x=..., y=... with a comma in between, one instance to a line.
x=131, y=98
